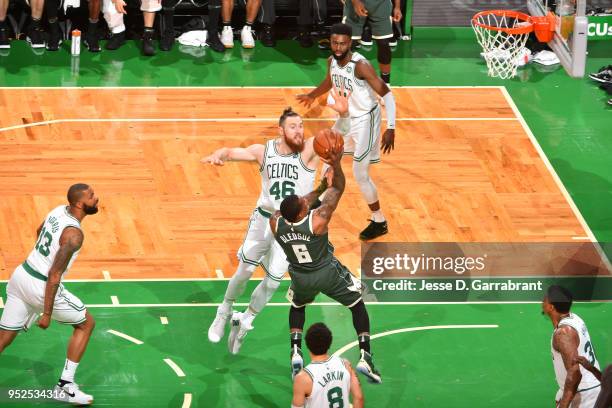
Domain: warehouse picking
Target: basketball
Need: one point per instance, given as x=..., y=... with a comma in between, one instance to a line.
x=326, y=140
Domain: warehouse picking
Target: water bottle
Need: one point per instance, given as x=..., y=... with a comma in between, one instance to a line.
x=75, y=48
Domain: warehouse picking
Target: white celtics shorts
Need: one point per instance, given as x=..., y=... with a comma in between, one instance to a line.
x=260, y=247
x=583, y=398
x=25, y=299
x=362, y=140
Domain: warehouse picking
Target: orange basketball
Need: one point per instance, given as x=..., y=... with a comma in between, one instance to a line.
x=326, y=140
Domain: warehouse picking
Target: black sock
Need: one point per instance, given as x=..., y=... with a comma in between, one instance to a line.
x=296, y=340
x=227, y=24
x=248, y=24
x=168, y=18
x=92, y=27
x=386, y=77
x=364, y=342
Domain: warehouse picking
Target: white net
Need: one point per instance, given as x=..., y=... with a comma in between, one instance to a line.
x=503, y=52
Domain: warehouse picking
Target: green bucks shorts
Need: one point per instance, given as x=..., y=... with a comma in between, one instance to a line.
x=379, y=15
x=334, y=280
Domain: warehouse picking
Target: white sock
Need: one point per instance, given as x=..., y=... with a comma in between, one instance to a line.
x=226, y=306
x=69, y=370
x=377, y=216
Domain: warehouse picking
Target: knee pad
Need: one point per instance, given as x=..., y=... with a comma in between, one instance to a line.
x=360, y=171
x=384, y=51
x=366, y=185
x=150, y=6
x=297, y=317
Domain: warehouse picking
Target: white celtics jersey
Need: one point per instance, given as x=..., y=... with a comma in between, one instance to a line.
x=585, y=349
x=363, y=98
x=281, y=176
x=42, y=256
x=331, y=383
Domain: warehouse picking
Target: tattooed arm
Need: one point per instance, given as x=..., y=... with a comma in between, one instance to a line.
x=322, y=215
x=70, y=242
x=566, y=342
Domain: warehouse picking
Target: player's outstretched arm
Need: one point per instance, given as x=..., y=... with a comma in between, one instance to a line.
x=251, y=153
x=565, y=341
x=356, y=393
x=70, y=242
x=324, y=87
x=364, y=70
x=322, y=215
x=589, y=367
x=302, y=387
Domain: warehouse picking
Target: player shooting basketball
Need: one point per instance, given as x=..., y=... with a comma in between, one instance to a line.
x=287, y=166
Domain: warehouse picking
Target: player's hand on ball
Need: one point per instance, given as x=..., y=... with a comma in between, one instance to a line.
x=305, y=99
x=388, y=141
x=44, y=321
x=334, y=156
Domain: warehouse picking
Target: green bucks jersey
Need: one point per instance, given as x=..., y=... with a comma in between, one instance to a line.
x=306, y=252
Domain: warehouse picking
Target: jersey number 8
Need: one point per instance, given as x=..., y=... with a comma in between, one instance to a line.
x=334, y=397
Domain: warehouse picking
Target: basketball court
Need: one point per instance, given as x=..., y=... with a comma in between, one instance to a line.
x=158, y=255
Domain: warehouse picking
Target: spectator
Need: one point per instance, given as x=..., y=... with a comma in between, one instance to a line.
x=246, y=34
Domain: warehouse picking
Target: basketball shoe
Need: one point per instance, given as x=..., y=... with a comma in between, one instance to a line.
x=217, y=328
x=373, y=230
x=297, y=361
x=603, y=75
x=69, y=392
x=366, y=367
x=238, y=332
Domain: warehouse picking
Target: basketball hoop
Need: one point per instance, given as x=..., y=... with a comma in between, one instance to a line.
x=503, y=34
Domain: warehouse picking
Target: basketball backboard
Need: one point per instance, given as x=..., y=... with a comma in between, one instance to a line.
x=570, y=39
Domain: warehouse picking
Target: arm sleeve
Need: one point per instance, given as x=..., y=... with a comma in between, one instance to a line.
x=390, y=109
